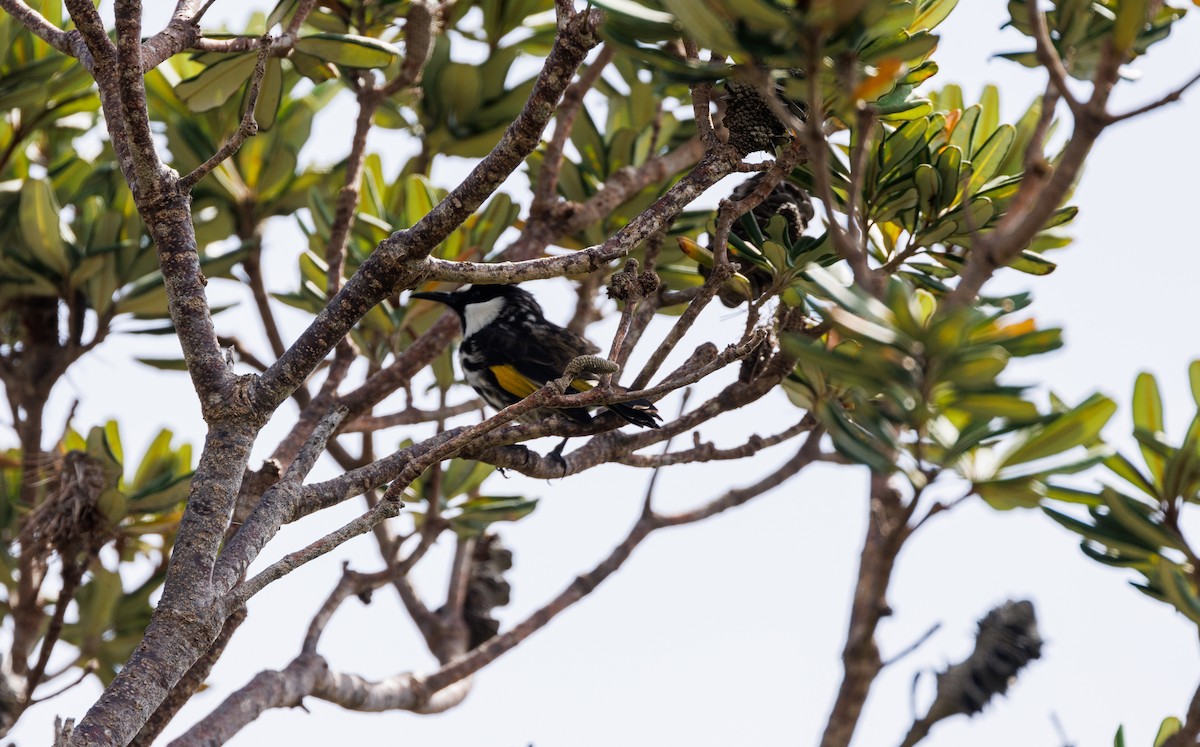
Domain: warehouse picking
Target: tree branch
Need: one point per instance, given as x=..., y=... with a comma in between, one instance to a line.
x=248, y=127
x=1169, y=98
x=39, y=26
x=396, y=262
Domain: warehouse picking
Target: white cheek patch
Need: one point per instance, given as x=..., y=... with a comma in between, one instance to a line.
x=480, y=315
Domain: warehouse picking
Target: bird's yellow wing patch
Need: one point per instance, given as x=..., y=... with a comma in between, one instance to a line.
x=513, y=381
x=581, y=385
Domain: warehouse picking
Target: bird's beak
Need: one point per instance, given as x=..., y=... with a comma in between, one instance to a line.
x=439, y=296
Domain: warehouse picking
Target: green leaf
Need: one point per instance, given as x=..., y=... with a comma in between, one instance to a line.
x=217, y=83
x=930, y=13
x=1004, y=495
x=1178, y=590
x=1168, y=728
x=1131, y=20
x=709, y=29
x=1076, y=427
x=165, y=364
x=1194, y=381
x=1125, y=469
x=1118, y=541
x=648, y=20
x=349, y=50
x=1148, y=416
x=39, y=224
x=986, y=161
x=1133, y=517
x=1033, y=263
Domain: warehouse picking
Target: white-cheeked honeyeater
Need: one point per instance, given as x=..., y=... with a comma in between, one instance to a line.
x=510, y=350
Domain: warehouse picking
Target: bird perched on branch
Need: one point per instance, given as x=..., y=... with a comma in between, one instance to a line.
x=509, y=350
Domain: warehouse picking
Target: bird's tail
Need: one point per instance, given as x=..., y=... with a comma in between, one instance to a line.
x=638, y=412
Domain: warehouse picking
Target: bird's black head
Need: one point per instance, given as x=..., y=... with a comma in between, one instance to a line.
x=480, y=305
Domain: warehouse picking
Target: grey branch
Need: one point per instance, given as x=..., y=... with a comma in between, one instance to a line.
x=248, y=127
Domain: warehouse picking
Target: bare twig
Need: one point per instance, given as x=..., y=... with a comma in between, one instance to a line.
x=382, y=511
x=277, y=506
x=708, y=452
x=247, y=128
x=1048, y=56
x=83, y=675
x=912, y=647
x=572, y=101
x=410, y=416
x=1168, y=98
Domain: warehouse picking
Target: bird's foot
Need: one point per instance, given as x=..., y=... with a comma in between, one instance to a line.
x=557, y=455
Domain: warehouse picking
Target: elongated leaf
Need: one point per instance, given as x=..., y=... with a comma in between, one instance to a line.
x=217, y=83
x=349, y=50
x=1077, y=427
x=985, y=162
x=1148, y=416
x=40, y=227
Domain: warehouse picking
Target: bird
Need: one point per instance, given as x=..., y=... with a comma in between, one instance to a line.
x=510, y=350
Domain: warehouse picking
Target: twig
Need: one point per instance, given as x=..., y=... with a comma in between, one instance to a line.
x=460, y=574
x=350, y=584
x=709, y=171
x=383, y=510
x=83, y=675
x=1048, y=56
x=648, y=500
x=701, y=101
x=709, y=453
x=277, y=506
x=939, y=507
x=369, y=99
x=203, y=9
x=914, y=645
x=1169, y=98
x=302, y=10
x=247, y=128
x=568, y=109
x=409, y=416
x=418, y=44
x=843, y=240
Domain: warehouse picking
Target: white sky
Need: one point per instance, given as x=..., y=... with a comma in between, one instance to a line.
x=730, y=632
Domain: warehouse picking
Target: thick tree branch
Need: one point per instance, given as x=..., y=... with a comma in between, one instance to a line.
x=886, y=530
x=276, y=508
x=189, y=684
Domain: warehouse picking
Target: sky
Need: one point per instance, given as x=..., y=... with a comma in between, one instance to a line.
x=730, y=631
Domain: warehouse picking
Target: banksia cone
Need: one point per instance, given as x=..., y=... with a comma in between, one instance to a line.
x=748, y=117
x=1007, y=640
x=751, y=123
x=786, y=200
x=486, y=588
